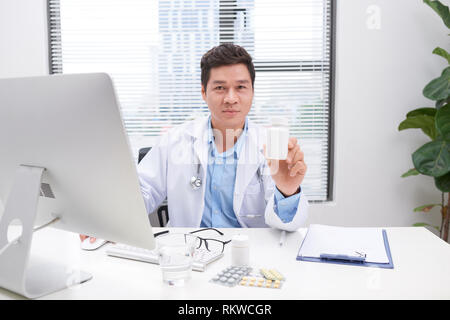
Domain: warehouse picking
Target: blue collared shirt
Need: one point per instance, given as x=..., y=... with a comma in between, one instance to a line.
x=219, y=190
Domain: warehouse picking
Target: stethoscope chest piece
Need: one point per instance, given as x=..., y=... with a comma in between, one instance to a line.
x=196, y=183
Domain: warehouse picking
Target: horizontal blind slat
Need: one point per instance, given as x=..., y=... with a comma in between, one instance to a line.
x=152, y=51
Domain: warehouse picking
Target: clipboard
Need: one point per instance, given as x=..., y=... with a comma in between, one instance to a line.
x=389, y=265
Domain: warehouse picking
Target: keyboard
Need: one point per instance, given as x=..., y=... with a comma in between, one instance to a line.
x=202, y=257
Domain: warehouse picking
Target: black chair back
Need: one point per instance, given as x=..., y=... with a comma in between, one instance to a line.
x=163, y=211
x=142, y=153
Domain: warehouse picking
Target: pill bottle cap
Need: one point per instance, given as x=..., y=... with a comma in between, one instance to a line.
x=280, y=121
x=240, y=240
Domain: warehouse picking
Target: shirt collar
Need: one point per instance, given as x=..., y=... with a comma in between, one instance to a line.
x=237, y=146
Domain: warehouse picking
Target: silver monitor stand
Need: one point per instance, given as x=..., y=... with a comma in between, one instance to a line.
x=64, y=132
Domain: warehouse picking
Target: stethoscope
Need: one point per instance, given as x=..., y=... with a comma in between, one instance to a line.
x=196, y=181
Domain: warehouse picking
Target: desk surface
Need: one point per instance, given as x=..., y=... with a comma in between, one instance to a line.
x=421, y=260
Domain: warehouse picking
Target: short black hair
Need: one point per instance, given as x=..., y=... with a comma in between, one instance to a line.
x=224, y=55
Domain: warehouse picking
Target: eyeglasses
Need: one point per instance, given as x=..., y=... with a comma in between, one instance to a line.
x=210, y=244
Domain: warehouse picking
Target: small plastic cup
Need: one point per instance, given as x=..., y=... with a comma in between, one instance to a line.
x=176, y=252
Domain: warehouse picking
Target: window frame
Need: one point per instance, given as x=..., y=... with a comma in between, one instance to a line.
x=224, y=6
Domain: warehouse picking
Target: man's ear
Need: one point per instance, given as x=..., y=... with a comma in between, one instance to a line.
x=203, y=93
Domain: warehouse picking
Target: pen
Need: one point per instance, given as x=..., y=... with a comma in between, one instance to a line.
x=160, y=233
x=342, y=257
x=282, y=237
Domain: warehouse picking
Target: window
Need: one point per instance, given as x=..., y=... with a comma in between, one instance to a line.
x=152, y=50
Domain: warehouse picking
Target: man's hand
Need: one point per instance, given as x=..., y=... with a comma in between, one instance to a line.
x=83, y=237
x=288, y=174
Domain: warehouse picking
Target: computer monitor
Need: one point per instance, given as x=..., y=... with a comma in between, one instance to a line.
x=64, y=154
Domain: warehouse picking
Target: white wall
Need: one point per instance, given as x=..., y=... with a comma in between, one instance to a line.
x=23, y=38
x=380, y=76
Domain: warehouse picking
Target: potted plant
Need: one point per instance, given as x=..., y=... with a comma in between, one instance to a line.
x=433, y=158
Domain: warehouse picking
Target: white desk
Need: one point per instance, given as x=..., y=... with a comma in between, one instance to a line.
x=421, y=261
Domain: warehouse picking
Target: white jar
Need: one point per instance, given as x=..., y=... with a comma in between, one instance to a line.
x=278, y=139
x=240, y=250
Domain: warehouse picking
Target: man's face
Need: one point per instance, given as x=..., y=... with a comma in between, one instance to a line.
x=229, y=95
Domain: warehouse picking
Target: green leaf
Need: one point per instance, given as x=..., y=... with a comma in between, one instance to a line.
x=424, y=122
x=411, y=172
x=433, y=158
x=423, y=224
x=441, y=10
x=438, y=88
x=443, y=53
x=426, y=208
x=422, y=111
x=441, y=103
x=443, y=182
x=443, y=121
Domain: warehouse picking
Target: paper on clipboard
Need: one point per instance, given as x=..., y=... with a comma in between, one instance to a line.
x=346, y=241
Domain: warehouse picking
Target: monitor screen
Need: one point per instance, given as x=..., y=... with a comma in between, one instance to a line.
x=71, y=126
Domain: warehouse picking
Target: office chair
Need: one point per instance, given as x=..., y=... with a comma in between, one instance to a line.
x=163, y=211
x=142, y=153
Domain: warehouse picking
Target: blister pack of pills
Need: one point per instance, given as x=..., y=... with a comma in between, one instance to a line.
x=231, y=276
x=267, y=278
x=259, y=282
x=271, y=274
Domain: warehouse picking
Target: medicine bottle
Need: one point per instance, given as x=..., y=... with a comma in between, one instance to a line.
x=240, y=250
x=278, y=139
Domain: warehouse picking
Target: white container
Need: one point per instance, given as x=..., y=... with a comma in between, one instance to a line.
x=240, y=250
x=278, y=139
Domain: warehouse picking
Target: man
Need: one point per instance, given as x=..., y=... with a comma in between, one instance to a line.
x=212, y=170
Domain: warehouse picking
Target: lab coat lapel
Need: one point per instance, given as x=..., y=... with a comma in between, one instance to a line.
x=249, y=161
x=199, y=134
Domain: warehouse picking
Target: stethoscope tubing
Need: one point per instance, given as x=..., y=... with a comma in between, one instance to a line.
x=196, y=182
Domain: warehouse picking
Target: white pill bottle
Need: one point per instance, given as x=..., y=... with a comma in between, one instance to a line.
x=278, y=139
x=240, y=250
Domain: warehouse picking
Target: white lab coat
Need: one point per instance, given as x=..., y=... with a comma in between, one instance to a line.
x=167, y=169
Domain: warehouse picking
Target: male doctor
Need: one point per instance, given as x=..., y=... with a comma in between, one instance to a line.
x=213, y=170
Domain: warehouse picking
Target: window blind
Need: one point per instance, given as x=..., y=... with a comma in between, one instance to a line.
x=152, y=50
